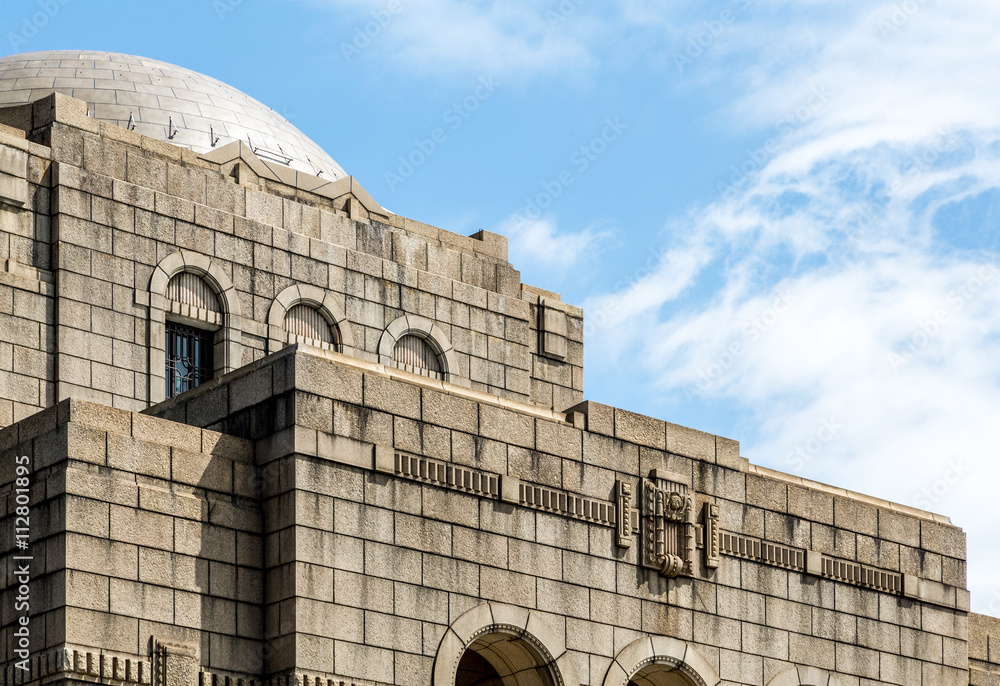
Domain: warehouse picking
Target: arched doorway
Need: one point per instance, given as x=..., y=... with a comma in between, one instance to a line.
x=495, y=644
x=501, y=659
x=660, y=675
x=660, y=661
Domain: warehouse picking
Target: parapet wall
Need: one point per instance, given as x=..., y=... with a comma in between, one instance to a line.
x=984, y=650
x=90, y=210
x=443, y=498
x=137, y=527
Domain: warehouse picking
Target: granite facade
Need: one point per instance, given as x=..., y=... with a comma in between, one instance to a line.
x=319, y=514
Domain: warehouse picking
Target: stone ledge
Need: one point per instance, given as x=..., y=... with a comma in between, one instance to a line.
x=142, y=427
x=27, y=278
x=852, y=495
x=936, y=593
x=72, y=112
x=83, y=665
x=660, y=435
x=388, y=372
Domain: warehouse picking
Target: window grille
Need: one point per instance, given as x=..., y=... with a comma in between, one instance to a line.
x=414, y=354
x=306, y=322
x=190, y=289
x=189, y=357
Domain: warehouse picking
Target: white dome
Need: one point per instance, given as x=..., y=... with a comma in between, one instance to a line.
x=166, y=102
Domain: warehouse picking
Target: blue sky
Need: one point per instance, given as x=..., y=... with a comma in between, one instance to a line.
x=781, y=218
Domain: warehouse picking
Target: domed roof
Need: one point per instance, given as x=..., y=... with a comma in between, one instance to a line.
x=163, y=101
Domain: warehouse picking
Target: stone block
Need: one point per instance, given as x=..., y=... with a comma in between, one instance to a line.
x=507, y=425
x=739, y=604
x=328, y=379
x=204, y=471
x=389, y=562
x=857, y=661
x=480, y=547
x=364, y=662
x=690, y=443
x=899, y=528
x=712, y=480
x=610, y=453
x=155, y=430
x=943, y=539
x=140, y=527
x=616, y=610
x=740, y=667
x=101, y=556
x=568, y=600
x=507, y=587
x=856, y=601
x=96, y=416
x=418, y=602
x=133, y=599
x=448, y=574
x=88, y=591
x=362, y=424
x=810, y=504
x=86, y=516
x=765, y=641
x=790, y=616
x=449, y=506
x=855, y=515
x=393, y=632
x=392, y=396
x=102, y=630
x=330, y=620
x=139, y=457
x=727, y=454
x=450, y=411
x=559, y=439
x=361, y=591
x=478, y=453
x=13, y=176
x=765, y=493
x=86, y=444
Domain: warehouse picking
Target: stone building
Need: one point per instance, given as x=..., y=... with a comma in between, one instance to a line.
x=259, y=429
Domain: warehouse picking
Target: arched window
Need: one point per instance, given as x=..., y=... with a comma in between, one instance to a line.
x=418, y=345
x=307, y=324
x=302, y=313
x=195, y=326
x=414, y=354
x=192, y=319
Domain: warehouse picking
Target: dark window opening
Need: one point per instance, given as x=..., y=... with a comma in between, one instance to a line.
x=189, y=357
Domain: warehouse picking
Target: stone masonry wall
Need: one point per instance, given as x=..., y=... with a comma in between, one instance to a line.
x=139, y=527
x=26, y=286
x=119, y=203
x=984, y=650
x=364, y=580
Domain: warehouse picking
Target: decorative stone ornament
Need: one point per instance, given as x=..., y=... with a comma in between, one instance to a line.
x=713, y=554
x=668, y=526
x=623, y=521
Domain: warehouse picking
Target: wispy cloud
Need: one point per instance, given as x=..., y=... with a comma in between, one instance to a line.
x=867, y=220
x=487, y=36
x=539, y=244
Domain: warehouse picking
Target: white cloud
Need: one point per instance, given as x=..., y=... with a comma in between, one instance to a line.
x=491, y=37
x=857, y=338
x=539, y=244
